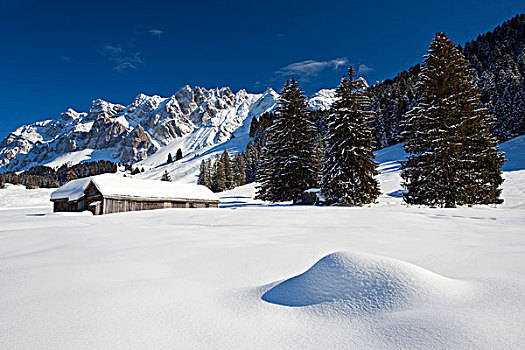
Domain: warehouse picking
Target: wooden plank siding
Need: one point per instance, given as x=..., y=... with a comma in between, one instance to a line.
x=120, y=205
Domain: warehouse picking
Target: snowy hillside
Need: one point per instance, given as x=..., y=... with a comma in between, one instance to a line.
x=186, y=170
x=146, y=130
x=261, y=276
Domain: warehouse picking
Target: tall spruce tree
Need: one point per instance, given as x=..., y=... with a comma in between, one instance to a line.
x=178, y=155
x=318, y=154
x=219, y=176
x=203, y=180
x=286, y=168
x=348, y=166
x=228, y=170
x=239, y=170
x=453, y=157
x=252, y=155
x=208, y=174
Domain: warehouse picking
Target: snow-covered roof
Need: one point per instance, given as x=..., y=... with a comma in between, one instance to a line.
x=313, y=190
x=111, y=185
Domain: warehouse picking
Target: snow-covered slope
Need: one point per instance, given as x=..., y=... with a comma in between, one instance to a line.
x=195, y=117
x=198, y=145
x=409, y=278
x=514, y=150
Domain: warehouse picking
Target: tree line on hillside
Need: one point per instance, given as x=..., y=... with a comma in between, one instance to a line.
x=226, y=172
x=47, y=177
x=453, y=156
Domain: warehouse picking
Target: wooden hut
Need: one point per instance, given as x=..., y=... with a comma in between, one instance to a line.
x=110, y=193
x=312, y=196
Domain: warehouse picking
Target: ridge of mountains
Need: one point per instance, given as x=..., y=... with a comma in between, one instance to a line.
x=129, y=134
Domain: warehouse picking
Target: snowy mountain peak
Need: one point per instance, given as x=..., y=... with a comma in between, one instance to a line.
x=138, y=100
x=70, y=115
x=322, y=100
x=103, y=108
x=271, y=92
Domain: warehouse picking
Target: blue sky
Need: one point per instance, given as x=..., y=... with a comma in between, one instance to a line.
x=60, y=54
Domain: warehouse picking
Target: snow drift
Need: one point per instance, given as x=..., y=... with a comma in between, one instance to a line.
x=364, y=283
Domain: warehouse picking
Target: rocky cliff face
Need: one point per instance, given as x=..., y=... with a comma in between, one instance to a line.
x=133, y=132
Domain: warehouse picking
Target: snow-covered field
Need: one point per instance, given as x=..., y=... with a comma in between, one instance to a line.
x=406, y=277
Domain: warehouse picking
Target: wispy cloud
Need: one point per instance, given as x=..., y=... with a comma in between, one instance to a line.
x=156, y=32
x=127, y=54
x=306, y=70
x=363, y=69
x=112, y=50
x=64, y=58
x=127, y=65
x=122, y=58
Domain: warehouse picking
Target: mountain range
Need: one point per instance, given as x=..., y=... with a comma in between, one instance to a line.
x=128, y=134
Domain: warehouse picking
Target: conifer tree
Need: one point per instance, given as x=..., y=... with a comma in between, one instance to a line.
x=170, y=159
x=254, y=126
x=286, y=169
x=251, y=156
x=219, y=176
x=228, y=170
x=453, y=158
x=71, y=175
x=239, y=170
x=31, y=184
x=202, y=174
x=208, y=174
x=348, y=166
x=178, y=155
x=165, y=176
x=318, y=154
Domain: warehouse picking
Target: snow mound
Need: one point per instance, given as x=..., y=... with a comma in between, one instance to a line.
x=365, y=283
